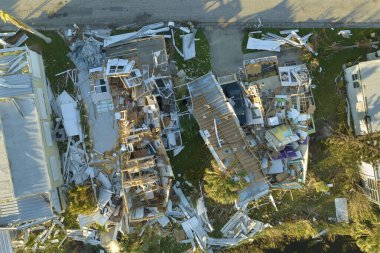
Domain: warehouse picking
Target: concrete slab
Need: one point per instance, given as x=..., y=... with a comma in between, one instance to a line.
x=104, y=132
x=226, y=52
x=104, y=127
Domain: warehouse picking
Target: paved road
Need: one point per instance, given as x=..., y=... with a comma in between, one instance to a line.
x=54, y=13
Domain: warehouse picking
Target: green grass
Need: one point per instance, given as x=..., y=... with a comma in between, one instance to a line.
x=55, y=58
x=201, y=64
x=194, y=158
x=326, y=95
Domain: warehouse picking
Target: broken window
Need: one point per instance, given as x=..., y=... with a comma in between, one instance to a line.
x=112, y=69
x=116, y=69
x=100, y=87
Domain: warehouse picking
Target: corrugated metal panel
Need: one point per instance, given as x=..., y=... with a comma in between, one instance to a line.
x=18, y=80
x=6, y=186
x=216, y=117
x=5, y=242
x=47, y=133
x=41, y=102
x=54, y=167
x=23, y=210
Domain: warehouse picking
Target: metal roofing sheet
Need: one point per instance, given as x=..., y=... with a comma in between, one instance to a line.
x=15, y=85
x=5, y=242
x=25, y=152
x=215, y=116
x=23, y=210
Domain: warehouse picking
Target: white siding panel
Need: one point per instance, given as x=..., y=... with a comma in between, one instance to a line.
x=54, y=167
x=41, y=101
x=47, y=132
x=35, y=62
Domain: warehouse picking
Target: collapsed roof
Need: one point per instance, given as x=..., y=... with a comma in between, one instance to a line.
x=220, y=129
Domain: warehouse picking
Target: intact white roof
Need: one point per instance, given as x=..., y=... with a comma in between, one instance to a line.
x=364, y=96
x=22, y=138
x=370, y=76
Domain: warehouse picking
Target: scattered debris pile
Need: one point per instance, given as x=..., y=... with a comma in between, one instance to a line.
x=280, y=116
x=168, y=31
x=273, y=42
x=196, y=225
x=86, y=53
x=13, y=39
x=129, y=77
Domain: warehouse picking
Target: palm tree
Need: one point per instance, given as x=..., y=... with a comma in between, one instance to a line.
x=220, y=187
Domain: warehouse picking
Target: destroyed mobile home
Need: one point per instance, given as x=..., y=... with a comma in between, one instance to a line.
x=257, y=131
x=133, y=83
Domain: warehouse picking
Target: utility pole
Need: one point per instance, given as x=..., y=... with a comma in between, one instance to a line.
x=8, y=18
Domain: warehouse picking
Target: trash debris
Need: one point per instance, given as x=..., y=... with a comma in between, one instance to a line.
x=188, y=46
x=196, y=225
x=89, y=236
x=69, y=112
x=241, y=226
x=273, y=42
x=86, y=53
x=345, y=33
x=145, y=31
x=257, y=129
